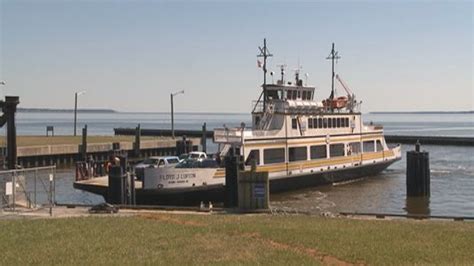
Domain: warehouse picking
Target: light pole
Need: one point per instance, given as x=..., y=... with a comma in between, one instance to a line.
x=75, y=108
x=172, y=110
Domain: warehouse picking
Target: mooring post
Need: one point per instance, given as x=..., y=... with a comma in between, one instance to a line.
x=138, y=134
x=204, y=138
x=115, y=190
x=418, y=173
x=51, y=194
x=9, y=109
x=232, y=167
x=84, y=143
x=132, y=189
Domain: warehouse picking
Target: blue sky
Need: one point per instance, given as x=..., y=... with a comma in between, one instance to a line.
x=129, y=55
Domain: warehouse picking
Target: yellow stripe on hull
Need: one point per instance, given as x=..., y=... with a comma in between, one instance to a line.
x=303, y=165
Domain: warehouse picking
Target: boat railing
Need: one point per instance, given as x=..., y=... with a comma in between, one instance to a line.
x=228, y=135
x=372, y=127
x=234, y=135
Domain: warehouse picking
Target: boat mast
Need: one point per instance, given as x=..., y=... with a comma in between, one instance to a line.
x=332, y=56
x=265, y=54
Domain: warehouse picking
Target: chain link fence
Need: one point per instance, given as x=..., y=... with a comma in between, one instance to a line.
x=30, y=188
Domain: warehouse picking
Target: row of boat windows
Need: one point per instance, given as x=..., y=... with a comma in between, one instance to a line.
x=331, y=122
x=289, y=94
x=277, y=155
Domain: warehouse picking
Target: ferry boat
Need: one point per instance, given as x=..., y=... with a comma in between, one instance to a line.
x=300, y=139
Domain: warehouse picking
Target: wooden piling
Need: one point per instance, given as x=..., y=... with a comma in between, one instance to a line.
x=204, y=138
x=84, y=144
x=136, y=144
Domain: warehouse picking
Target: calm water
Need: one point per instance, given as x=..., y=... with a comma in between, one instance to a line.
x=452, y=168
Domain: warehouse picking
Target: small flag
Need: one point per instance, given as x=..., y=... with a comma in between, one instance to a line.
x=259, y=64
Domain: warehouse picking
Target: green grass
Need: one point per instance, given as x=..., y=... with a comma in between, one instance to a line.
x=233, y=239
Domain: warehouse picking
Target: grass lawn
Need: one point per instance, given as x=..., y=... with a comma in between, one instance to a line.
x=43, y=140
x=233, y=239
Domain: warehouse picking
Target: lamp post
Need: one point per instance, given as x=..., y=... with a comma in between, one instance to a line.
x=75, y=108
x=172, y=110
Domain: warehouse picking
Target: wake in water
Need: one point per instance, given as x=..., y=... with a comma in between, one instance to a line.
x=311, y=202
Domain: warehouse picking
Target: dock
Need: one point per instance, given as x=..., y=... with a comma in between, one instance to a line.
x=34, y=151
x=430, y=140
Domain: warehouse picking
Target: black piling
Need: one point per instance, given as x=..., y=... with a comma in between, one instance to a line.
x=84, y=144
x=183, y=146
x=204, y=138
x=418, y=173
x=9, y=109
x=232, y=167
x=136, y=145
x=116, y=189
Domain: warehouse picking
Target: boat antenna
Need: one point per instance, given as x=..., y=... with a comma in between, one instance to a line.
x=282, y=73
x=333, y=56
x=265, y=53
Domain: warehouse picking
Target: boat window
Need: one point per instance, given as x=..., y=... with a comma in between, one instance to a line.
x=354, y=148
x=368, y=146
x=297, y=94
x=379, y=146
x=288, y=95
x=310, y=95
x=276, y=155
x=336, y=150
x=310, y=122
x=325, y=123
x=320, y=123
x=257, y=120
x=272, y=94
x=343, y=122
x=304, y=95
x=253, y=155
x=318, y=152
x=294, y=123
x=280, y=94
x=329, y=122
x=297, y=154
x=334, y=122
x=338, y=122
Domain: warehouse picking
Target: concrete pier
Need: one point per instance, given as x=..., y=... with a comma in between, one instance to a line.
x=432, y=140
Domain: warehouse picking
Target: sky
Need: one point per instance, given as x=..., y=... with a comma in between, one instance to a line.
x=130, y=55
